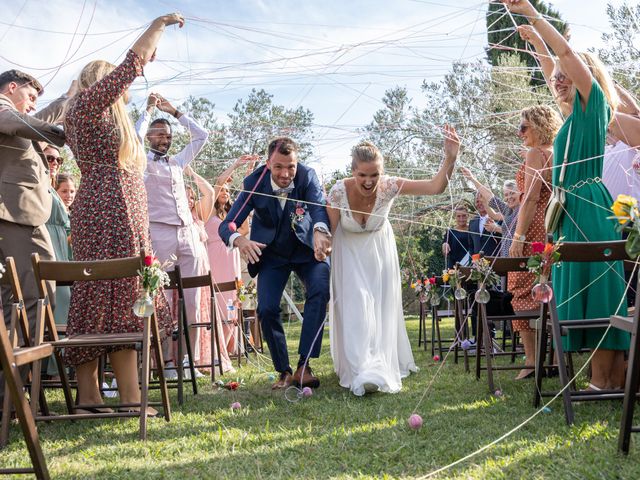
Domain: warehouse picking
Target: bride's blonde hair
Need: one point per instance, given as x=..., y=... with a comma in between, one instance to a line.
x=131, y=155
x=365, y=152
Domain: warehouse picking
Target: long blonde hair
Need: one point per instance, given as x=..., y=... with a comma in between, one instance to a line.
x=131, y=155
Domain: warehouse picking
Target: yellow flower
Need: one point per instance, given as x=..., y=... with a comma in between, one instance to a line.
x=413, y=285
x=445, y=277
x=627, y=200
x=622, y=207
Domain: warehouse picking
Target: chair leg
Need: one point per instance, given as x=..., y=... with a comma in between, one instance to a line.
x=6, y=417
x=436, y=320
x=157, y=348
x=192, y=368
x=562, y=368
x=179, y=363
x=631, y=388
x=542, y=337
x=488, y=347
x=27, y=423
x=479, y=344
x=144, y=378
x=420, y=324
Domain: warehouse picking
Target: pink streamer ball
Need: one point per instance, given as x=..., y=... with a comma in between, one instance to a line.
x=307, y=392
x=233, y=227
x=415, y=421
x=436, y=358
x=466, y=344
x=498, y=393
x=236, y=406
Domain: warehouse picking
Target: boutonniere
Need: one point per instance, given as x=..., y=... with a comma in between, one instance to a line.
x=297, y=215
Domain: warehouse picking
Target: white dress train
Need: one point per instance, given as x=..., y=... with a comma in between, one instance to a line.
x=369, y=343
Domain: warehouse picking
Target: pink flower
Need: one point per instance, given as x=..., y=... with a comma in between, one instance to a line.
x=299, y=211
x=432, y=280
x=537, y=247
x=148, y=260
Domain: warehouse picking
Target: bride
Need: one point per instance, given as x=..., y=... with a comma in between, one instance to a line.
x=369, y=343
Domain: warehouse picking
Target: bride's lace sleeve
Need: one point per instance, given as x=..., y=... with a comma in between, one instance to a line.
x=389, y=187
x=336, y=194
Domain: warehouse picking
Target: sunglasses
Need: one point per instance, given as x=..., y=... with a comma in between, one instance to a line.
x=53, y=158
x=558, y=78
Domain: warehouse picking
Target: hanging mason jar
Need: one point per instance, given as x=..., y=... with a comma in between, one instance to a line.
x=434, y=299
x=482, y=294
x=143, y=306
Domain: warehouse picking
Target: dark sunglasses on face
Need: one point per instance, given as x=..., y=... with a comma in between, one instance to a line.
x=53, y=158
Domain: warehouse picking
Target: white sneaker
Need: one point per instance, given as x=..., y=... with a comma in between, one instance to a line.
x=170, y=372
x=187, y=371
x=111, y=393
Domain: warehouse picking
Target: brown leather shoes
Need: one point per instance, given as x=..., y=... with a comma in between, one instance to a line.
x=305, y=378
x=284, y=381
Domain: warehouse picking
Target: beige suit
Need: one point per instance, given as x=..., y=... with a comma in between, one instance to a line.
x=25, y=201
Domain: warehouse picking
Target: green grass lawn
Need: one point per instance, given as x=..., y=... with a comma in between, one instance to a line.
x=334, y=434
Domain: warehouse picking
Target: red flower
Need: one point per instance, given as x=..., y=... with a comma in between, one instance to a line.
x=148, y=260
x=548, y=249
x=537, y=247
x=475, y=257
x=432, y=280
x=299, y=211
x=233, y=385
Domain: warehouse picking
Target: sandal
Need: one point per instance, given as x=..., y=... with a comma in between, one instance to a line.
x=525, y=373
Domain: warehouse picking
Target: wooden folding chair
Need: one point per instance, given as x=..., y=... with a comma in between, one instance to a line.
x=631, y=325
x=175, y=283
x=21, y=337
x=484, y=343
x=573, y=252
x=11, y=359
x=206, y=281
x=66, y=273
x=222, y=287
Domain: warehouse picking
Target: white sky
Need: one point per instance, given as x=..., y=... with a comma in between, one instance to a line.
x=334, y=57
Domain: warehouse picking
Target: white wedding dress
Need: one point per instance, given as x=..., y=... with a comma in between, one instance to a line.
x=369, y=343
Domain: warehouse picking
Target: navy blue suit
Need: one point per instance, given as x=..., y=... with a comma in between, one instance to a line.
x=289, y=249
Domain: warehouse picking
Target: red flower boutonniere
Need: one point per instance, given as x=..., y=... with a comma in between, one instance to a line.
x=298, y=215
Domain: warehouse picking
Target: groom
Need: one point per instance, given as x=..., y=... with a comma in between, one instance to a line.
x=289, y=233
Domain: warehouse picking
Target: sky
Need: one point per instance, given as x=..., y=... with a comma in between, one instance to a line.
x=336, y=58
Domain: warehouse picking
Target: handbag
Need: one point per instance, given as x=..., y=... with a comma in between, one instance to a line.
x=555, y=207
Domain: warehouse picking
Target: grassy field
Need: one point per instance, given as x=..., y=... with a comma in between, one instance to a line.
x=334, y=434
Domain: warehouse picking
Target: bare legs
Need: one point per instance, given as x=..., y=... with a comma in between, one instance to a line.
x=528, y=338
x=607, y=369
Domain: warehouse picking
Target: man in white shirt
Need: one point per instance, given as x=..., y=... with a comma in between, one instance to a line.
x=173, y=231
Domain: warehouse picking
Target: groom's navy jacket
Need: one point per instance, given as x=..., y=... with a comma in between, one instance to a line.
x=288, y=239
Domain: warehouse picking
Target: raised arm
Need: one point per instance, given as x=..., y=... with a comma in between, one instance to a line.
x=439, y=183
x=224, y=177
x=626, y=128
x=542, y=53
x=572, y=65
x=204, y=206
x=145, y=46
x=484, y=191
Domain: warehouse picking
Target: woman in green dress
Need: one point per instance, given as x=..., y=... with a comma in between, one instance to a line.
x=586, y=94
x=59, y=227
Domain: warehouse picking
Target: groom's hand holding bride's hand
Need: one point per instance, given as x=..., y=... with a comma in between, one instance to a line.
x=249, y=249
x=321, y=245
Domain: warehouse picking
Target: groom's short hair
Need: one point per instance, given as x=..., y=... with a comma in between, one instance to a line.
x=283, y=145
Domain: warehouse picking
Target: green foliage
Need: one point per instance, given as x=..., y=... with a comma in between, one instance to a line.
x=620, y=51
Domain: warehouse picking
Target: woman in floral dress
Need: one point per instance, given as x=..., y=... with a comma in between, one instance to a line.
x=110, y=217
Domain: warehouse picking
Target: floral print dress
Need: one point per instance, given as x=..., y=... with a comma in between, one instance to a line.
x=110, y=217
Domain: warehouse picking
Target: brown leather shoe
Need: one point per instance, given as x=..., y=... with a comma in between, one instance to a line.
x=305, y=378
x=284, y=381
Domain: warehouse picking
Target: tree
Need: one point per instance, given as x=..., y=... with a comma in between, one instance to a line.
x=620, y=51
x=502, y=39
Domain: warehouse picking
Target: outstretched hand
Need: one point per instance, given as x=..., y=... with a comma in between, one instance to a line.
x=451, y=143
x=466, y=173
x=522, y=7
x=530, y=34
x=249, y=250
x=172, y=19
x=321, y=245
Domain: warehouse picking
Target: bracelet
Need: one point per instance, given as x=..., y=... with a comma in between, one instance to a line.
x=535, y=19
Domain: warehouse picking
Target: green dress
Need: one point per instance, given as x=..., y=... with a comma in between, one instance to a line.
x=587, y=290
x=59, y=227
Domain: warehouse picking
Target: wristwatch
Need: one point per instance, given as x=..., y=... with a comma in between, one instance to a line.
x=520, y=238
